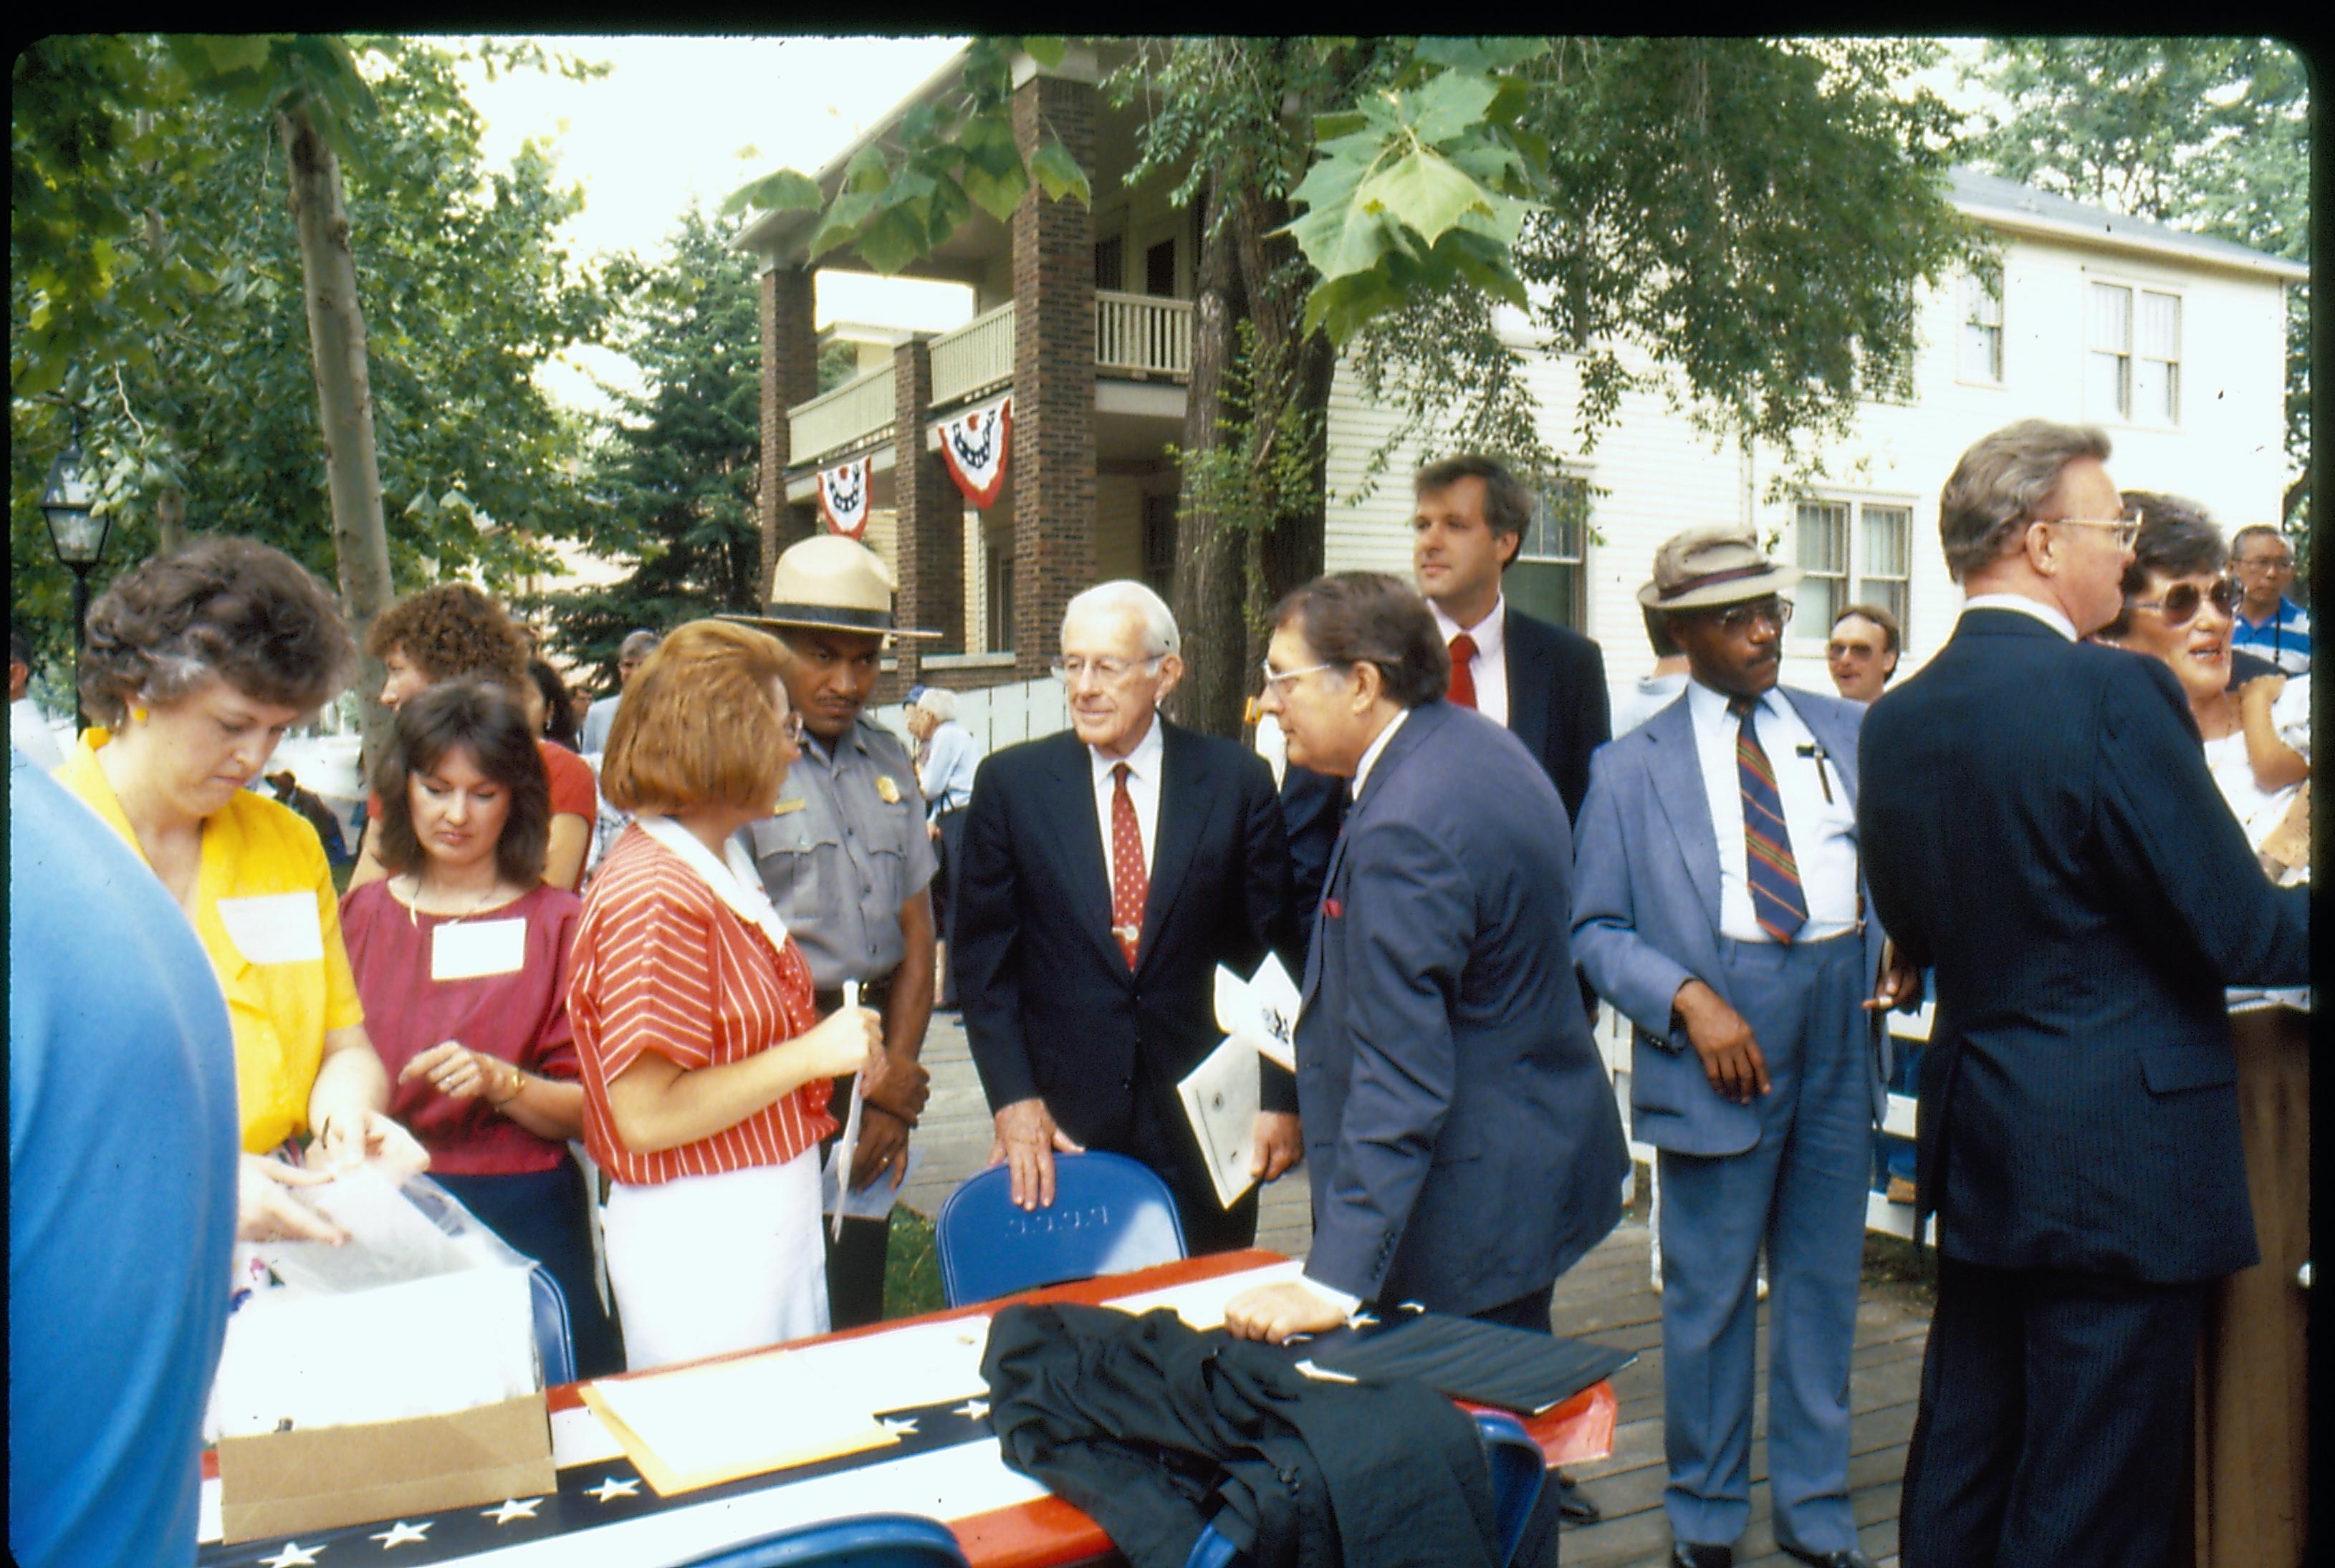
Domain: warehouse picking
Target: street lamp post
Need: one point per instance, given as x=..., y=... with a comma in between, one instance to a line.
x=77, y=531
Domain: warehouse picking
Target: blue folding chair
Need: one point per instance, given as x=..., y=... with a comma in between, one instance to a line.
x=863, y=1540
x=1514, y=1458
x=552, y=1338
x=1110, y=1214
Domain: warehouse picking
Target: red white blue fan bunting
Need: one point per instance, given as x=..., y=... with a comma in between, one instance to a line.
x=843, y=497
x=973, y=445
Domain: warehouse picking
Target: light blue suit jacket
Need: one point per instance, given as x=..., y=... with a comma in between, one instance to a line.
x=1645, y=913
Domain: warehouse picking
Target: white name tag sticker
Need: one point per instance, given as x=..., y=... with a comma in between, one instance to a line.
x=469, y=949
x=275, y=928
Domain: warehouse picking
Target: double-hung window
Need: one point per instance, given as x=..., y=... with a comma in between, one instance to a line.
x=2132, y=361
x=1850, y=551
x=1979, y=352
x=1548, y=577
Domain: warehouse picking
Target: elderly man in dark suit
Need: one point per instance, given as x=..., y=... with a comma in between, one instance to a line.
x=2040, y=826
x=1460, y=1130
x=1717, y=902
x=1108, y=871
x=1546, y=683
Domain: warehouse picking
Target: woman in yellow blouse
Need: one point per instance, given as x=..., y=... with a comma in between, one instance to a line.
x=196, y=664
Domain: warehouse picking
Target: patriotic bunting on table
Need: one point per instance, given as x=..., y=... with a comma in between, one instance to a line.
x=843, y=497
x=973, y=445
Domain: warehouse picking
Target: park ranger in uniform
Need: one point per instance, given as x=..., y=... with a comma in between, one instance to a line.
x=847, y=863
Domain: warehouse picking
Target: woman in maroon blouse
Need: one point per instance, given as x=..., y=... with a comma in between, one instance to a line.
x=461, y=959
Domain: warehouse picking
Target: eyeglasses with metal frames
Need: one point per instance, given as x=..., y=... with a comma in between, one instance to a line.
x=2127, y=530
x=1110, y=671
x=1738, y=619
x=1279, y=682
x=2181, y=601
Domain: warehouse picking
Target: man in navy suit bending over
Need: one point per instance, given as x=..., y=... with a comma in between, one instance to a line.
x=1460, y=1131
x=1109, y=870
x=2040, y=825
x=1717, y=904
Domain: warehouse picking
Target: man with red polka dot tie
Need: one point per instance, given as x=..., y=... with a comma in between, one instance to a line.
x=1109, y=869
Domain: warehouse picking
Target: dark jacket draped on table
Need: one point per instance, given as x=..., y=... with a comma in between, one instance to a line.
x=1155, y=1429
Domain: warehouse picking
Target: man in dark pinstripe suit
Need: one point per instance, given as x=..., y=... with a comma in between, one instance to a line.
x=2039, y=824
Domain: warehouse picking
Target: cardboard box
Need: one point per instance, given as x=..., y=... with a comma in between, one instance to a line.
x=321, y=1478
x=341, y=1397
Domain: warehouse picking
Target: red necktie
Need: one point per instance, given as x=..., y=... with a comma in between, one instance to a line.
x=1463, y=679
x=1129, y=882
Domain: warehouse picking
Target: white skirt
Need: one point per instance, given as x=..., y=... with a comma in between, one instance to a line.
x=703, y=1265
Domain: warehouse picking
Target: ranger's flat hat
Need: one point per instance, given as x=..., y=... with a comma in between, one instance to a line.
x=831, y=584
x=1716, y=564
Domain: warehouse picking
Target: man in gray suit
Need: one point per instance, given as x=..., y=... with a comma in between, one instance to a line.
x=631, y=655
x=1717, y=904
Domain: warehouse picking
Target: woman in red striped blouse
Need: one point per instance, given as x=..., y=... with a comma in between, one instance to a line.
x=705, y=1067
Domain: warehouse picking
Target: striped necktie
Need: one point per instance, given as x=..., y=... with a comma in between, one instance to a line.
x=1777, y=902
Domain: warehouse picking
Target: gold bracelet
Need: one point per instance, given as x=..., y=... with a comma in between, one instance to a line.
x=514, y=1094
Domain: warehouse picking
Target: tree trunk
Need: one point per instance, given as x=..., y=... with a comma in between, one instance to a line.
x=344, y=398
x=1209, y=595
x=1292, y=405
x=169, y=520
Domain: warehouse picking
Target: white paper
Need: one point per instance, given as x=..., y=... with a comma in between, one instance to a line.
x=275, y=928
x=715, y=1419
x=466, y=949
x=1261, y=1010
x=919, y=1365
x=839, y=1164
x=1220, y=1100
x=872, y=1202
x=1201, y=1303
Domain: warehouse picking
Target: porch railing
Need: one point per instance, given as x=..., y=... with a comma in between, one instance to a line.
x=842, y=418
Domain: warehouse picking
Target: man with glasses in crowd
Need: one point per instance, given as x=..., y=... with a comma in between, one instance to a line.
x=1109, y=869
x=1862, y=653
x=1717, y=904
x=2040, y=829
x=2269, y=624
x=848, y=866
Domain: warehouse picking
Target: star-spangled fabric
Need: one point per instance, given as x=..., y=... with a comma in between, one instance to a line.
x=843, y=496
x=604, y=1492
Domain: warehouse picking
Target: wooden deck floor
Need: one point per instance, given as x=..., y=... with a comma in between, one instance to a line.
x=1607, y=1297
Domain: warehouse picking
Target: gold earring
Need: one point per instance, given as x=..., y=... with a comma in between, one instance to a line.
x=138, y=716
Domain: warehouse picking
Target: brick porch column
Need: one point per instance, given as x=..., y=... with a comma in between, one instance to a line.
x=931, y=513
x=1052, y=453
x=790, y=376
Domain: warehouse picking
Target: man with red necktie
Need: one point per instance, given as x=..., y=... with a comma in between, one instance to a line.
x=1718, y=903
x=1109, y=869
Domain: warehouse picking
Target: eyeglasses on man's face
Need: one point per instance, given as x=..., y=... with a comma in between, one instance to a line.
x=2273, y=563
x=2181, y=601
x=1280, y=681
x=1071, y=669
x=2127, y=529
x=1737, y=619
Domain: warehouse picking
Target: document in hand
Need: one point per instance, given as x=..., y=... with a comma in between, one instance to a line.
x=701, y=1426
x=1261, y=1010
x=1220, y=1099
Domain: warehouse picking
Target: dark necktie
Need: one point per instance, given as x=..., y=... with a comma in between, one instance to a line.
x=1463, y=679
x=1129, y=882
x=1777, y=902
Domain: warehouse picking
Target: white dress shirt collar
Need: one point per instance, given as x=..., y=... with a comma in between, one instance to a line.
x=1370, y=753
x=1490, y=632
x=2049, y=614
x=733, y=878
x=1143, y=762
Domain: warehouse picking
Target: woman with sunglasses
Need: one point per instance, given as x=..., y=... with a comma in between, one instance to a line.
x=2252, y=1361
x=2179, y=608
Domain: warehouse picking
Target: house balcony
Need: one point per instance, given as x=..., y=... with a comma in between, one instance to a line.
x=1138, y=339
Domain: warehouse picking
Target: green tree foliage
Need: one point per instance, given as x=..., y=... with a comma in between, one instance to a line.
x=187, y=351
x=906, y=192
x=2207, y=134
x=673, y=487
x=1744, y=220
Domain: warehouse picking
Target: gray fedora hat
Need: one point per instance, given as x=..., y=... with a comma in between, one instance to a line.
x=1715, y=564
x=829, y=583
